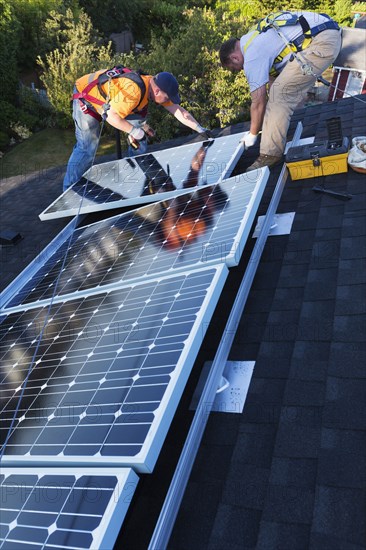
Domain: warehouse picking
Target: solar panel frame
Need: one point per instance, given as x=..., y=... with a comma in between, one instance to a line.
x=236, y=210
x=84, y=205
x=32, y=268
x=195, y=323
x=62, y=498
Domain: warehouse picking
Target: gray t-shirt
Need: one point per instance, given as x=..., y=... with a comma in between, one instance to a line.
x=265, y=47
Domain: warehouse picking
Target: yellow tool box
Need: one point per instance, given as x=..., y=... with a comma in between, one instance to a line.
x=321, y=158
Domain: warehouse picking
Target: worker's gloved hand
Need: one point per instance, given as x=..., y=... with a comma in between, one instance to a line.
x=204, y=132
x=135, y=136
x=249, y=139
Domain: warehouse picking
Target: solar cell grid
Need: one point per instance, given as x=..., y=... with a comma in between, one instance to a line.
x=207, y=226
x=63, y=509
x=107, y=366
x=140, y=179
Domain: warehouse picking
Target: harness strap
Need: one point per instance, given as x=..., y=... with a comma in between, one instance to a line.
x=88, y=109
x=303, y=41
x=116, y=72
x=299, y=43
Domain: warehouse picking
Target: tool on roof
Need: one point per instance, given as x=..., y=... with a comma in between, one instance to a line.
x=321, y=158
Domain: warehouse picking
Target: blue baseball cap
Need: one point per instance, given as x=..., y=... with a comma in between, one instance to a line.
x=168, y=84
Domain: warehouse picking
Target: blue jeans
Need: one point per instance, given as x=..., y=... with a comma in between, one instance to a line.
x=87, y=130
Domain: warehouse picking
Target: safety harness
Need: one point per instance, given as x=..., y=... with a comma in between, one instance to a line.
x=85, y=98
x=282, y=19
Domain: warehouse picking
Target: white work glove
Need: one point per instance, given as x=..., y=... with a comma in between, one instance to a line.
x=204, y=132
x=137, y=133
x=248, y=139
x=135, y=136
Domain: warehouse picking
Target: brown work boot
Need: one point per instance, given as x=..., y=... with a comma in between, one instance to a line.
x=264, y=160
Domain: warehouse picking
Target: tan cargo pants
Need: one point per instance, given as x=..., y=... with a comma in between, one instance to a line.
x=291, y=86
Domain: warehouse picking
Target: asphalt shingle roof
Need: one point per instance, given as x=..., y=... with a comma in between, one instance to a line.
x=295, y=473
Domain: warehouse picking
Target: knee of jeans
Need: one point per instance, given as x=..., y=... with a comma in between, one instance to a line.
x=94, y=141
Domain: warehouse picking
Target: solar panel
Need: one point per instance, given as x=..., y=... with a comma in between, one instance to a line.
x=140, y=180
x=108, y=373
x=209, y=226
x=63, y=508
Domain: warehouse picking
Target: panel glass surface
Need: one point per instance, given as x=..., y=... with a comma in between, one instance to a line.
x=210, y=225
x=63, y=508
x=108, y=372
x=139, y=180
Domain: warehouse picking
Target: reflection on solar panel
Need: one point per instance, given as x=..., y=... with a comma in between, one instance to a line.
x=63, y=508
x=209, y=226
x=108, y=373
x=141, y=179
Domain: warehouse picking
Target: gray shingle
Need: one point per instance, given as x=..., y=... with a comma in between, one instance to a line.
x=298, y=433
x=340, y=468
x=288, y=298
x=352, y=272
x=213, y=462
x=255, y=444
x=340, y=513
x=347, y=359
x=349, y=328
x=300, y=472
x=325, y=254
x=352, y=248
x=195, y=537
x=235, y=528
x=245, y=486
x=351, y=300
x=304, y=393
x=321, y=284
x=289, y=504
x=347, y=440
x=329, y=542
x=354, y=226
x=283, y=536
x=345, y=405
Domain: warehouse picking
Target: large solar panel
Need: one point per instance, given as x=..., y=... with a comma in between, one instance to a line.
x=208, y=226
x=140, y=180
x=108, y=373
x=64, y=508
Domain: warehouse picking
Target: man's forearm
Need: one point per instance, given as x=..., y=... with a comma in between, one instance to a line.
x=257, y=109
x=256, y=118
x=117, y=122
x=184, y=117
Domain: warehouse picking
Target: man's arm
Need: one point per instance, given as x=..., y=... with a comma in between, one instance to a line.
x=184, y=117
x=117, y=122
x=257, y=109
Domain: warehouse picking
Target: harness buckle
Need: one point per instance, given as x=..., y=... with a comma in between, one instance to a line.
x=111, y=73
x=83, y=106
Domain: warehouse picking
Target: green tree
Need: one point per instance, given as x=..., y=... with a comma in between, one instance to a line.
x=9, y=46
x=9, y=43
x=78, y=53
x=142, y=17
x=342, y=12
x=294, y=5
x=211, y=94
x=112, y=15
x=31, y=15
